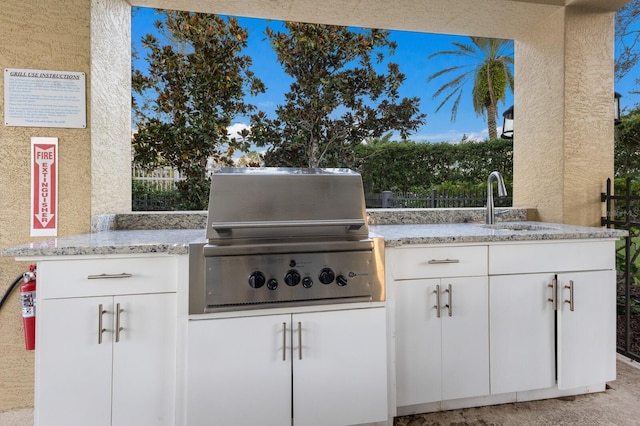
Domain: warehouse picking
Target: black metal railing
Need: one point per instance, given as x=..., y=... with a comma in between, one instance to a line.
x=623, y=212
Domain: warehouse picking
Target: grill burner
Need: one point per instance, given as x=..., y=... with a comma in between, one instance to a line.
x=283, y=237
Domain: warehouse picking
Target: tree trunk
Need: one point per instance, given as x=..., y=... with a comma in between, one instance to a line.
x=314, y=153
x=491, y=121
x=491, y=107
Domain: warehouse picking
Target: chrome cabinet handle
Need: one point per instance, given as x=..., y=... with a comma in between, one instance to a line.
x=552, y=299
x=449, y=304
x=441, y=261
x=437, y=306
x=118, y=327
x=570, y=301
x=284, y=341
x=101, y=330
x=299, y=340
x=105, y=276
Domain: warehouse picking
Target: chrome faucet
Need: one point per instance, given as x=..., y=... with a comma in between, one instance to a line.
x=490, y=218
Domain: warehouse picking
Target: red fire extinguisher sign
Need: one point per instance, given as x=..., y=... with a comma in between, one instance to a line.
x=28, y=299
x=44, y=188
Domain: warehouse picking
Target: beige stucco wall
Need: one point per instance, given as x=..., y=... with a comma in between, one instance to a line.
x=57, y=35
x=57, y=39
x=563, y=148
x=588, y=113
x=538, y=162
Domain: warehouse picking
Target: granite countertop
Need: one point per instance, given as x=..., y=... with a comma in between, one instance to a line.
x=399, y=235
x=169, y=241
x=176, y=241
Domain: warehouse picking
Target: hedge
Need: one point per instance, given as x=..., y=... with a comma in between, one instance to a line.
x=409, y=166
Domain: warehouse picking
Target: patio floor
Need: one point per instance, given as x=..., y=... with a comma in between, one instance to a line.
x=618, y=405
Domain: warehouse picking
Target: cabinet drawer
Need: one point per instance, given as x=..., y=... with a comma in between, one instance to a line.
x=103, y=277
x=556, y=256
x=438, y=262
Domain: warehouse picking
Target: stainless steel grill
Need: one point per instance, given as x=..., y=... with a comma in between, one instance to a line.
x=283, y=236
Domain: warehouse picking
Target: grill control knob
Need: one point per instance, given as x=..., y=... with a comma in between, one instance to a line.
x=341, y=280
x=292, y=278
x=307, y=282
x=257, y=279
x=272, y=284
x=326, y=276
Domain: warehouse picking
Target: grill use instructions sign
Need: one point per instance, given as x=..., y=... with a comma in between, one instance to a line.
x=44, y=187
x=43, y=98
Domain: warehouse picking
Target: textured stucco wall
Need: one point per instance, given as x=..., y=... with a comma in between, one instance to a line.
x=538, y=148
x=489, y=18
x=588, y=118
x=110, y=106
x=61, y=35
x=37, y=35
x=563, y=146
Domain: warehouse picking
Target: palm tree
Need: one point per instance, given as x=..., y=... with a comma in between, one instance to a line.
x=489, y=66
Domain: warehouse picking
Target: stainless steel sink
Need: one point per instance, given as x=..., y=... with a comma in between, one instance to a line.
x=510, y=226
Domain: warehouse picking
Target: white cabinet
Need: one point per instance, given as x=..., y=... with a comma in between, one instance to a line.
x=107, y=359
x=408, y=262
x=532, y=323
x=586, y=328
x=511, y=328
x=73, y=371
x=319, y=368
x=340, y=368
x=522, y=333
x=445, y=357
x=239, y=371
x=441, y=324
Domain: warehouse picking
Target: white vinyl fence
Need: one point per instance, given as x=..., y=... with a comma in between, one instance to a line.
x=163, y=178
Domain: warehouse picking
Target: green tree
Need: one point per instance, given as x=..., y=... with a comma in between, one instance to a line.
x=337, y=99
x=488, y=67
x=195, y=85
x=627, y=38
x=250, y=159
x=627, y=145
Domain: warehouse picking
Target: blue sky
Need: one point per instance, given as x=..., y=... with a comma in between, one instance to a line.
x=412, y=52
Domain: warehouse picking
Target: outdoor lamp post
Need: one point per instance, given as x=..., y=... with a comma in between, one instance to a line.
x=616, y=108
x=507, y=125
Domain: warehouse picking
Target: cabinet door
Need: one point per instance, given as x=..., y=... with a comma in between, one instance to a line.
x=144, y=360
x=465, y=337
x=522, y=332
x=73, y=369
x=586, y=334
x=239, y=371
x=340, y=374
x=418, y=339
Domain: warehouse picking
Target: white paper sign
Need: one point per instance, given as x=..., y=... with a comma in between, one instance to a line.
x=42, y=98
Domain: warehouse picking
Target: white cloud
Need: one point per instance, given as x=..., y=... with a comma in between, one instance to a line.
x=450, y=136
x=235, y=129
x=234, y=132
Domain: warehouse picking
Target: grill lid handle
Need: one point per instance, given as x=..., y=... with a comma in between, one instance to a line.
x=353, y=224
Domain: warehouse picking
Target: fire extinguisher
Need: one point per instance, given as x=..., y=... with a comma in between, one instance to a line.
x=28, y=298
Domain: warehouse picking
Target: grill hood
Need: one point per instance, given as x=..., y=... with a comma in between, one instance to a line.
x=274, y=204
